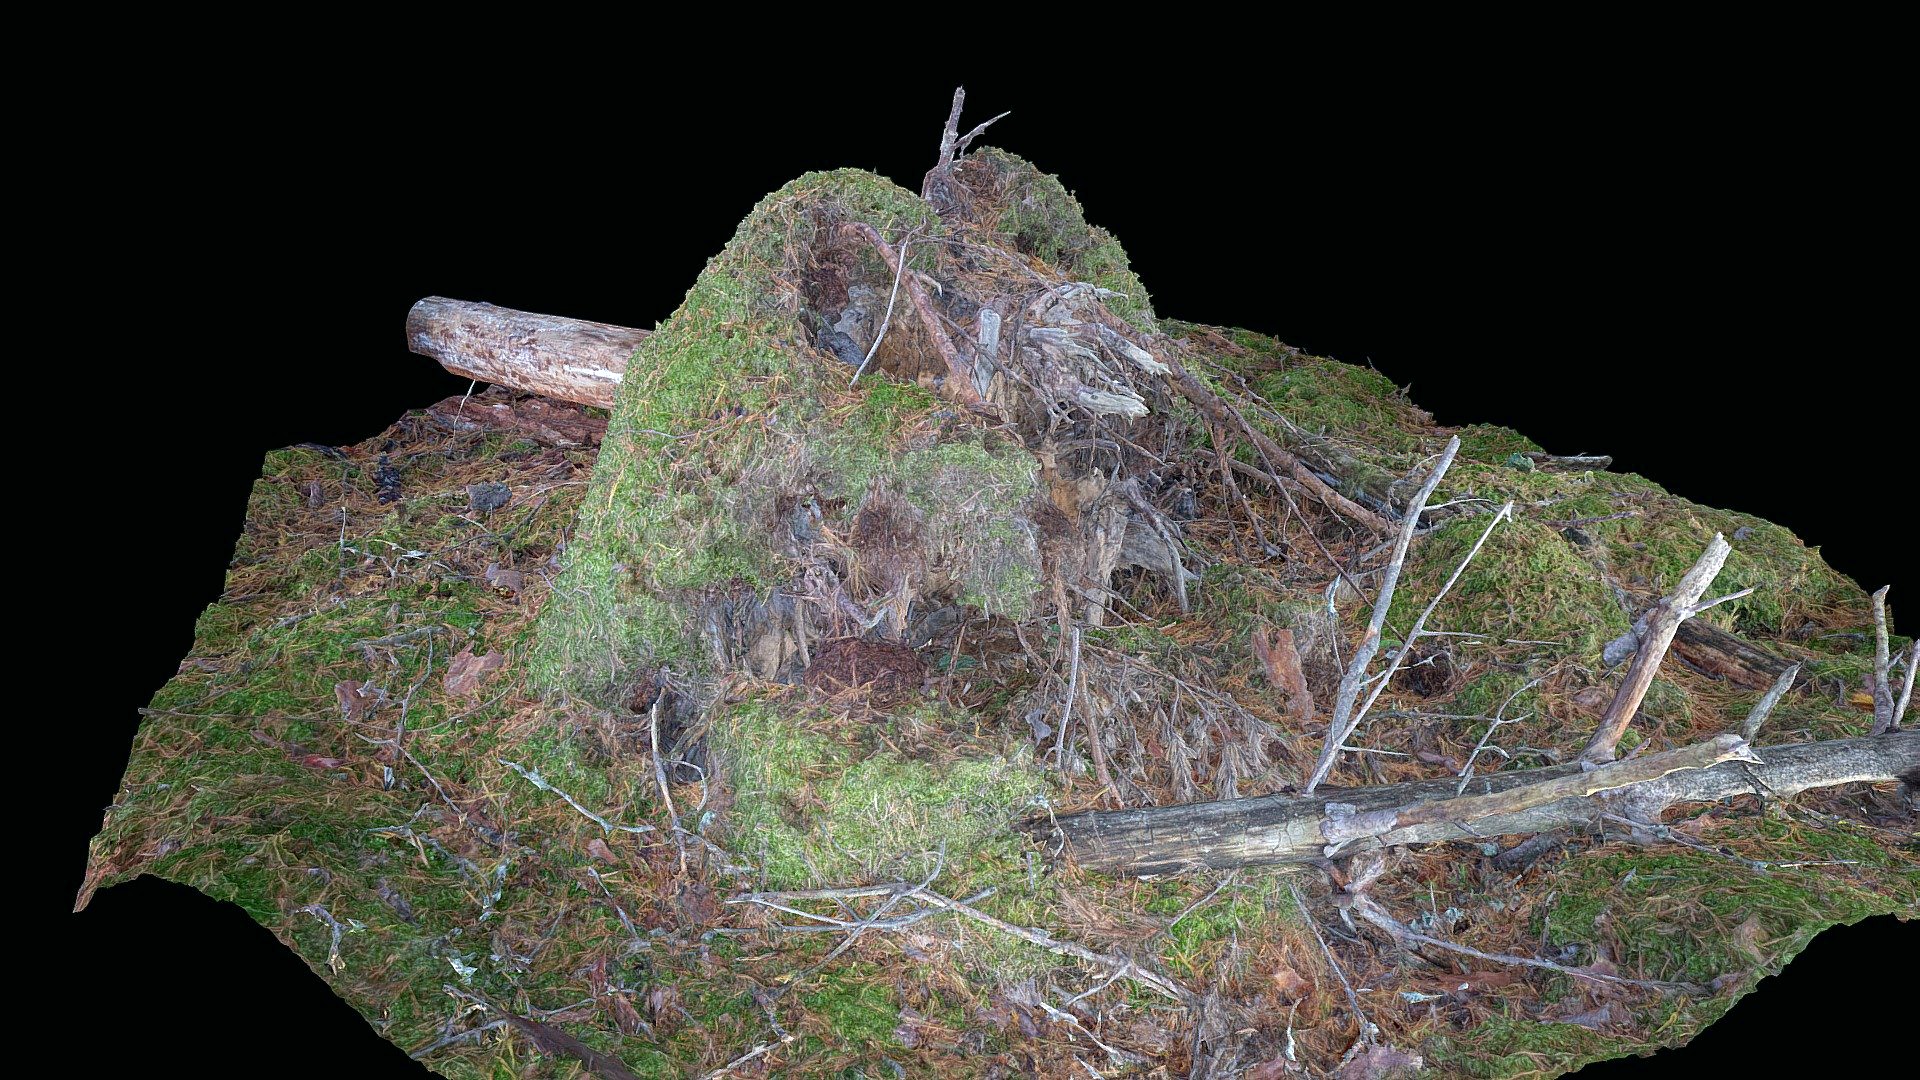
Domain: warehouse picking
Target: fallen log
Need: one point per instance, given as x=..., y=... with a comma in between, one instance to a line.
x=570, y=359
x=1275, y=829
x=1728, y=656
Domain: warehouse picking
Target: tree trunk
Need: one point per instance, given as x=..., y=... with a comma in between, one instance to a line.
x=570, y=359
x=1274, y=829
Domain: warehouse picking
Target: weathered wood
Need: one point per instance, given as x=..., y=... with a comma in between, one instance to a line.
x=539, y=419
x=570, y=359
x=1662, y=622
x=1275, y=829
x=1710, y=649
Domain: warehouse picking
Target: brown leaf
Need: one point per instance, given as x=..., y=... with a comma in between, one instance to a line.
x=466, y=670
x=697, y=902
x=598, y=848
x=509, y=581
x=1280, y=659
x=353, y=704
x=1746, y=937
x=664, y=1003
x=625, y=1015
x=1599, y=1019
x=1289, y=984
x=1593, y=699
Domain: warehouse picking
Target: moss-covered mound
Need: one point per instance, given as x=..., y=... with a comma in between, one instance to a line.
x=506, y=774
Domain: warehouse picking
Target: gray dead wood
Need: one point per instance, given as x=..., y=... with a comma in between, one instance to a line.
x=1276, y=829
x=569, y=359
x=1661, y=624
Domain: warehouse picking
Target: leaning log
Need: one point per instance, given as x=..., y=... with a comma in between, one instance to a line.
x=570, y=359
x=1275, y=829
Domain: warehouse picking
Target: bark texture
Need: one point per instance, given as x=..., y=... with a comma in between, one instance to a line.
x=1274, y=829
x=570, y=359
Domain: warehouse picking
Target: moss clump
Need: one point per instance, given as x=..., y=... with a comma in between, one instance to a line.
x=814, y=807
x=675, y=504
x=1042, y=219
x=1527, y=581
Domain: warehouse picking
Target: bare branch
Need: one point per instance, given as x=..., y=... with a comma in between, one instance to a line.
x=1344, y=717
x=1883, y=714
x=1764, y=706
x=1662, y=623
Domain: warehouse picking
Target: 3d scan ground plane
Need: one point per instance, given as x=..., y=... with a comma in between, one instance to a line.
x=917, y=656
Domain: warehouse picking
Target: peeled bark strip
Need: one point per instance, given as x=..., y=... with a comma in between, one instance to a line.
x=1273, y=829
x=570, y=359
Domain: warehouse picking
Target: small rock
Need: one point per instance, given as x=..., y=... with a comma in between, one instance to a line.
x=488, y=497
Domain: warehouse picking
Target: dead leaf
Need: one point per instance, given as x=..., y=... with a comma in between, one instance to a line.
x=696, y=901
x=1592, y=699
x=354, y=705
x=509, y=581
x=1289, y=985
x=1281, y=661
x=598, y=848
x=1746, y=937
x=625, y=1015
x=908, y=1033
x=466, y=670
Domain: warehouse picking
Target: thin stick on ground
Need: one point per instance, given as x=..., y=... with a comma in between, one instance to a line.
x=660, y=778
x=1662, y=623
x=532, y=776
x=1371, y=911
x=1125, y=967
x=1344, y=719
x=1764, y=707
x=1353, y=1000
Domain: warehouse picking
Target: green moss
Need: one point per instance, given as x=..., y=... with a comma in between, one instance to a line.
x=1492, y=444
x=1527, y=581
x=723, y=386
x=860, y=1014
x=814, y=809
x=1508, y=1046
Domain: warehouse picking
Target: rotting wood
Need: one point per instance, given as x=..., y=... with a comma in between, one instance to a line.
x=1278, y=829
x=570, y=359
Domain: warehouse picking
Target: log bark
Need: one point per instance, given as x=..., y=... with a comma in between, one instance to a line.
x=1716, y=652
x=1275, y=829
x=569, y=359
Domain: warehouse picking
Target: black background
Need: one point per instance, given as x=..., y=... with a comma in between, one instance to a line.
x=1677, y=256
